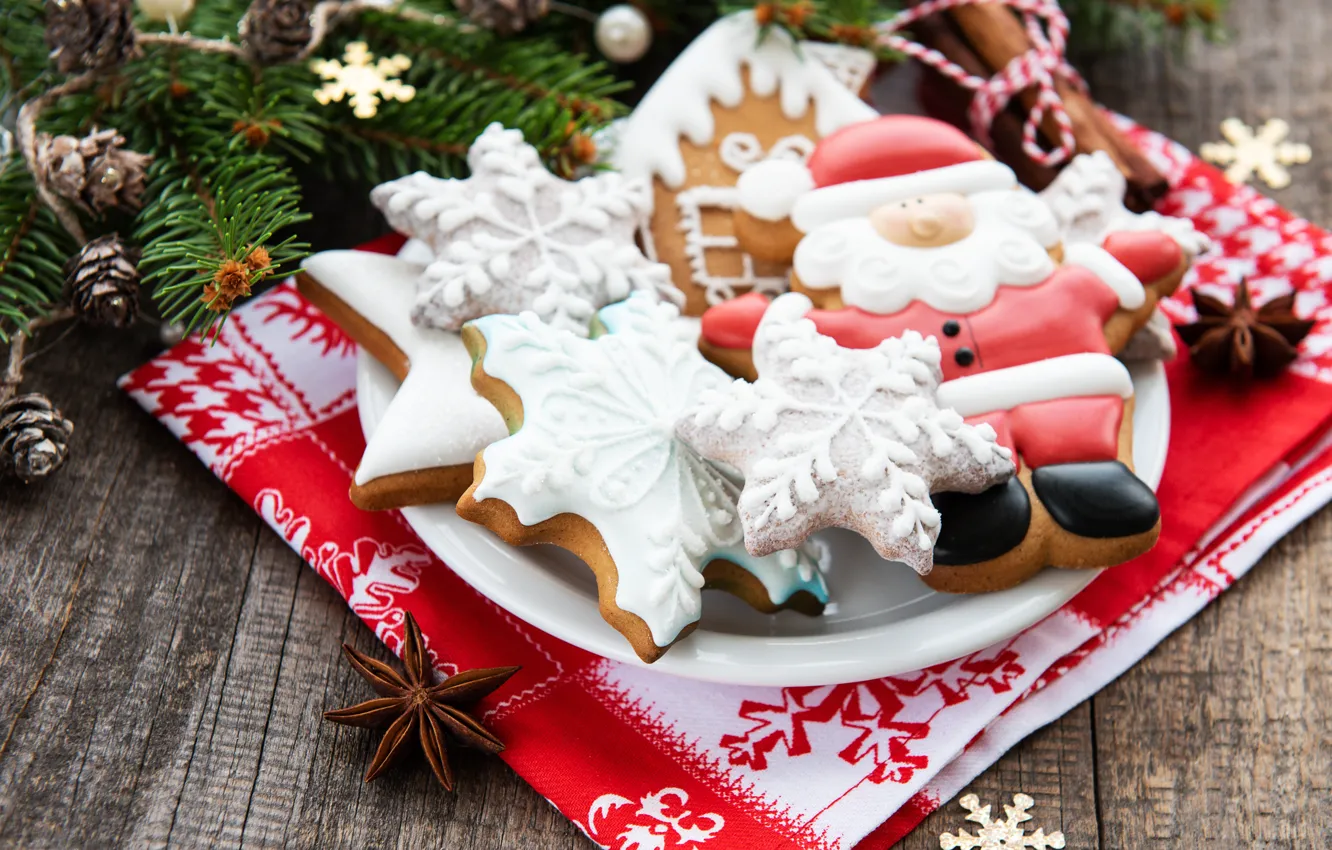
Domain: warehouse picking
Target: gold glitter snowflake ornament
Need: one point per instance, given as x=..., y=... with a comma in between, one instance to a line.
x=1265, y=153
x=362, y=80
x=1000, y=835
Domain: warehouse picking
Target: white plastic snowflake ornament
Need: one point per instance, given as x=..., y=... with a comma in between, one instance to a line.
x=853, y=438
x=514, y=237
x=1000, y=835
x=597, y=440
x=1265, y=152
x=362, y=79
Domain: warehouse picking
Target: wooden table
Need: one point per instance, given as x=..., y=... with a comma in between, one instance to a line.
x=167, y=657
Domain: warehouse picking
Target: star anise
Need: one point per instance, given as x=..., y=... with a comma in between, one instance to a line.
x=412, y=705
x=1241, y=339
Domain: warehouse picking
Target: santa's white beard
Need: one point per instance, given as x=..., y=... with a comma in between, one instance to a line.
x=1014, y=231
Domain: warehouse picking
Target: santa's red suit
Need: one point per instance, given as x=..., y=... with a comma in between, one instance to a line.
x=1032, y=361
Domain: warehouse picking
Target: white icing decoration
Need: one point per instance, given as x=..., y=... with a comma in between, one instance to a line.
x=436, y=418
x=738, y=151
x=598, y=440
x=769, y=190
x=742, y=151
x=861, y=197
x=1068, y=376
x=1009, y=246
x=712, y=69
x=848, y=437
x=515, y=237
x=697, y=243
x=852, y=66
x=1087, y=198
x=1111, y=272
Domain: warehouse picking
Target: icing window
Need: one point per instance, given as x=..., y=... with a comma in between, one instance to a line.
x=699, y=243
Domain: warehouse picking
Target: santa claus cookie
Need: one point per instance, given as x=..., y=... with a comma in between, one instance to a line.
x=833, y=436
x=511, y=237
x=593, y=465
x=910, y=226
x=738, y=96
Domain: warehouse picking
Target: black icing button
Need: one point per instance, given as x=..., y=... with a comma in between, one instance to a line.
x=964, y=356
x=951, y=328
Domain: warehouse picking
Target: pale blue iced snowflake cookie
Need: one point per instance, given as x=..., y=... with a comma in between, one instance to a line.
x=593, y=464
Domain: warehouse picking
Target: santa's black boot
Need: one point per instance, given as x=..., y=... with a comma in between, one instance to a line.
x=1098, y=499
x=981, y=526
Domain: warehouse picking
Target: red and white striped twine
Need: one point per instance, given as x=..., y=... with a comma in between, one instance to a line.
x=1047, y=29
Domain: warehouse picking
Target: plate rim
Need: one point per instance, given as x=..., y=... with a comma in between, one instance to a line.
x=788, y=661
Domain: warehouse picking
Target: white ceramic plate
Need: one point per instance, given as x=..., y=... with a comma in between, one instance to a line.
x=881, y=620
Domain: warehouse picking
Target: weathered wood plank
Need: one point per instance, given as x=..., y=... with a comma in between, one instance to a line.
x=167, y=658
x=127, y=572
x=1055, y=767
x=1224, y=734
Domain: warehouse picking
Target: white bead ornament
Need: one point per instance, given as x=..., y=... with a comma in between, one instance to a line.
x=623, y=34
x=167, y=11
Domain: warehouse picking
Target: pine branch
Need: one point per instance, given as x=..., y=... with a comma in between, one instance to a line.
x=267, y=107
x=463, y=83
x=23, y=52
x=208, y=216
x=34, y=250
x=1107, y=25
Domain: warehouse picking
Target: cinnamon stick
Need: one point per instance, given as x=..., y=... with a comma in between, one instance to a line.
x=994, y=35
x=945, y=100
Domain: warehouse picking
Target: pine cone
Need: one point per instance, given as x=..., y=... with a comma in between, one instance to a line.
x=89, y=34
x=503, y=16
x=102, y=282
x=94, y=172
x=34, y=437
x=276, y=31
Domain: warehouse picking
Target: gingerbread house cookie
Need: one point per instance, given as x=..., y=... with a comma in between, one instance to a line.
x=734, y=98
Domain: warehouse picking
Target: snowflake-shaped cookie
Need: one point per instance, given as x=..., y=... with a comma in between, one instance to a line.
x=514, y=237
x=1087, y=199
x=853, y=438
x=597, y=440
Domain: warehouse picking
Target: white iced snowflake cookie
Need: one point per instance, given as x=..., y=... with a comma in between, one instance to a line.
x=1087, y=199
x=853, y=438
x=514, y=237
x=593, y=464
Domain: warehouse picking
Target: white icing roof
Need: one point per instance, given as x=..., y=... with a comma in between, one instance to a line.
x=710, y=69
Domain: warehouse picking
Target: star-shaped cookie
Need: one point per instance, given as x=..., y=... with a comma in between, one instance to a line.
x=832, y=436
x=594, y=465
x=423, y=449
x=514, y=237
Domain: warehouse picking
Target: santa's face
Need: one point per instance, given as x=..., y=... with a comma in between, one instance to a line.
x=949, y=250
x=930, y=221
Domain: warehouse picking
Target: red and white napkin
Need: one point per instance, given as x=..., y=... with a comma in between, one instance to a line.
x=639, y=759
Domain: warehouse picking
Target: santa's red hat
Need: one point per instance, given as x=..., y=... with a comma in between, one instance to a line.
x=867, y=165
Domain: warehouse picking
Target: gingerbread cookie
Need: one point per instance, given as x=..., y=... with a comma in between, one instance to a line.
x=510, y=237
x=833, y=436
x=1087, y=200
x=738, y=96
x=909, y=226
x=593, y=465
x=514, y=237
